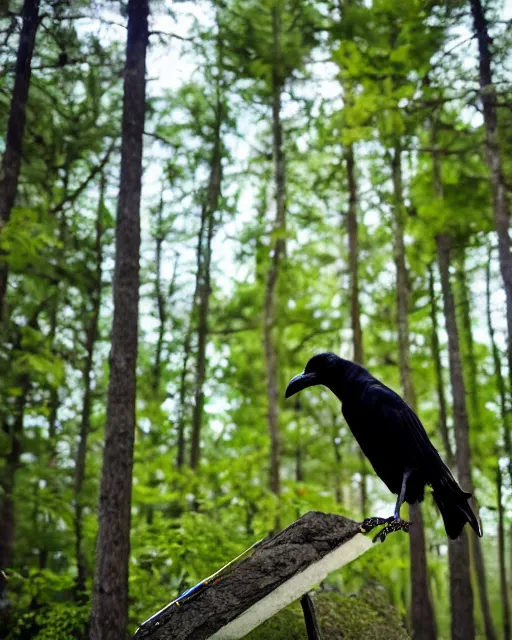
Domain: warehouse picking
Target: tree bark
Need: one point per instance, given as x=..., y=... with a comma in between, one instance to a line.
x=212, y=205
x=187, y=347
x=160, y=300
x=502, y=562
x=338, y=484
x=471, y=381
x=277, y=254
x=468, y=350
x=500, y=199
x=355, y=307
x=11, y=162
x=109, y=613
x=422, y=610
x=460, y=574
x=500, y=381
x=91, y=335
x=507, y=446
x=436, y=357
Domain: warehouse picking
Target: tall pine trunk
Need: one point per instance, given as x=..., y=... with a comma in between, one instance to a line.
x=500, y=380
x=438, y=368
x=499, y=191
x=11, y=161
x=422, y=610
x=502, y=562
x=355, y=307
x=463, y=627
x=91, y=336
x=277, y=254
x=507, y=447
x=470, y=369
x=463, y=304
x=109, y=613
x=187, y=347
x=160, y=300
x=204, y=291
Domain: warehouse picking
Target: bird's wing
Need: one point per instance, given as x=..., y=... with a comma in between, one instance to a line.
x=386, y=408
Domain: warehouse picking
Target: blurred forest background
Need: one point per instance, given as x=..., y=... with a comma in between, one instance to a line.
x=331, y=175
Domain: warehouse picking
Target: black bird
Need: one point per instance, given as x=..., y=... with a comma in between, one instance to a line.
x=392, y=438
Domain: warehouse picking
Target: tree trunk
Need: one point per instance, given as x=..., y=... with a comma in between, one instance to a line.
x=500, y=199
x=11, y=162
x=109, y=613
x=500, y=381
x=461, y=594
x=338, y=483
x=187, y=347
x=505, y=421
x=471, y=381
x=202, y=336
x=277, y=254
x=160, y=300
x=212, y=205
x=422, y=610
x=478, y=556
x=463, y=304
x=460, y=574
x=91, y=335
x=438, y=368
x=502, y=563
x=355, y=307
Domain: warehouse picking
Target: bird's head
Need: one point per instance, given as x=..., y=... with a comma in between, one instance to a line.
x=320, y=369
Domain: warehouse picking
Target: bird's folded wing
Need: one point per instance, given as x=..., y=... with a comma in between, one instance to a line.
x=386, y=407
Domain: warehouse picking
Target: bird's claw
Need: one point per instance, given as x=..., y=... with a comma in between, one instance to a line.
x=392, y=524
x=369, y=524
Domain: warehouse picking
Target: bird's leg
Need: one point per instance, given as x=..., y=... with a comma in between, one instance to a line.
x=395, y=523
x=401, y=496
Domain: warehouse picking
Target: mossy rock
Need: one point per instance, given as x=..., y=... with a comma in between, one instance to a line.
x=367, y=615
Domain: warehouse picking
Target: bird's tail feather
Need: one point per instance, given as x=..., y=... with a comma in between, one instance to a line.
x=454, y=507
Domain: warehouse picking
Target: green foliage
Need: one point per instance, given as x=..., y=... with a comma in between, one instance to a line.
x=373, y=77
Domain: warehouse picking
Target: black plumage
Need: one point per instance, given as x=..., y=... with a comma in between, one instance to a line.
x=391, y=437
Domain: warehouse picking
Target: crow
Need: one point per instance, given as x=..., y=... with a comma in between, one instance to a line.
x=392, y=438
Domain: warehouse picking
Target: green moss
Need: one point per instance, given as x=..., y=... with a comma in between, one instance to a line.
x=367, y=615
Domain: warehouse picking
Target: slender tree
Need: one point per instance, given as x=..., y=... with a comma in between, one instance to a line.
x=460, y=576
x=211, y=205
x=11, y=161
x=422, y=610
x=277, y=255
x=109, y=613
x=355, y=307
x=501, y=208
x=471, y=382
x=444, y=245
x=507, y=449
x=498, y=372
x=502, y=562
x=187, y=349
x=91, y=336
x=436, y=357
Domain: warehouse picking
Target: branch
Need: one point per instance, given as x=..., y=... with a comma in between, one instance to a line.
x=71, y=197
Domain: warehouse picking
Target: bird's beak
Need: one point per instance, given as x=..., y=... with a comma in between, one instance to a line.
x=300, y=382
